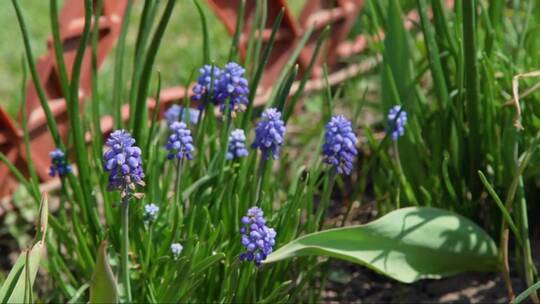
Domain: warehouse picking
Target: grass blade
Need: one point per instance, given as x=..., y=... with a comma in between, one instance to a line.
x=506, y=215
x=260, y=68
x=119, y=55
x=206, y=35
x=51, y=122
x=140, y=107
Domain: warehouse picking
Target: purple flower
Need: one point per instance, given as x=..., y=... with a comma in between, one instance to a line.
x=59, y=163
x=269, y=134
x=176, y=249
x=256, y=237
x=150, y=212
x=206, y=83
x=180, y=143
x=232, y=88
x=177, y=113
x=237, y=145
x=123, y=162
x=397, y=119
x=339, y=149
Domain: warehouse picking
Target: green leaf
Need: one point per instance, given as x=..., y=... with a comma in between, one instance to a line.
x=79, y=293
x=201, y=266
x=206, y=35
x=103, y=286
x=22, y=275
x=522, y=296
x=43, y=219
x=17, y=288
x=407, y=245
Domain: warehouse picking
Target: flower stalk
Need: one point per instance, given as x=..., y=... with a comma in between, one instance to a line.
x=125, y=248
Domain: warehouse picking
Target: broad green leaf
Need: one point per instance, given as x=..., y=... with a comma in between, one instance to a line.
x=17, y=282
x=407, y=245
x=103, y=286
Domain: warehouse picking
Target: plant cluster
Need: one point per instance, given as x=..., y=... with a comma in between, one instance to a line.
x=228, y=202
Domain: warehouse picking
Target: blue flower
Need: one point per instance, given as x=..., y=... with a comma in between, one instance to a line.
x=339, y=149
x=257, y=238
x=59, y=163
x=397, y=119
x=206, y=83
x=180, y=143
x=150, y=212
x=173, y=113
x=123, y=162
x=176, y=249
x=177, y=113
x=232, y=88
x=269, y=134
x=237, y=145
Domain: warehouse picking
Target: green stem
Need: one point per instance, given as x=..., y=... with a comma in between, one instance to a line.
x=522, y=296
x=403, y=181
x=177, y=208
x=471, y=93
x=51, y=122
x=63, y=199
x=225, y=142
x=58, y=49
x=528, y=262
x=119, y=68
x=125, y=248
x=325, y=200
x=95, y=109
x=77, y=130
x=260, y=175
x=177, y=192
x=140, y=114
x=149, y=247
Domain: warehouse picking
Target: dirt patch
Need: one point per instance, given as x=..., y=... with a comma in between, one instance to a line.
x=355, y=284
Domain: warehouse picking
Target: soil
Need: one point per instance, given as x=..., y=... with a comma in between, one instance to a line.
x=356, y=284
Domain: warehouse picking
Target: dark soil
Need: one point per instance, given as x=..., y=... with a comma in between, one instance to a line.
x=355, y=284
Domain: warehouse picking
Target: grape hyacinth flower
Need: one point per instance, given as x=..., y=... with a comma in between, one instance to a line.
x=123, y=162
x=180, y=143
x=59, y=163
x=339, y=149
x=232, y=88
x=173, y=113
x=194, y=115
x=176, y=249
x=150, y=212
x=208, y=78
x=397, y=119
x=257, y=238
x=270, y=133
x=177, y=113
x=237, y=145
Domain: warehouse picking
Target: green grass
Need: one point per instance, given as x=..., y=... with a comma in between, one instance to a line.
x=11, y=48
